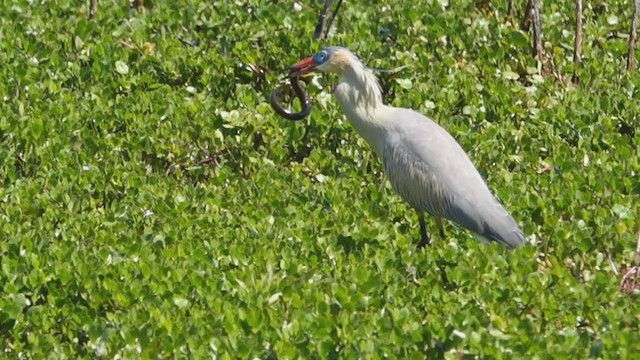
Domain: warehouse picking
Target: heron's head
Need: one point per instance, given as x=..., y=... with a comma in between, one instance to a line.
x=331, y=59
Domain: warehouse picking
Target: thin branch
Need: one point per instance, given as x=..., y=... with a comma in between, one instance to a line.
x=631, y=279
x=525, y=23
x=333, y=16
x=511, y=9
x=631, y=58
x=577, y=45
x=537, y=33
x=321, y=20
x=93, y=8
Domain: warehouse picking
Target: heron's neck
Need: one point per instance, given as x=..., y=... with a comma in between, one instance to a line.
x=360, y=98
x=360, y=88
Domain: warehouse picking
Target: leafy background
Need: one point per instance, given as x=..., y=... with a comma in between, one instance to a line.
x=152, y=204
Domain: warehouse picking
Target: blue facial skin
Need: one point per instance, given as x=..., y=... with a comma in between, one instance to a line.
x=320, y=57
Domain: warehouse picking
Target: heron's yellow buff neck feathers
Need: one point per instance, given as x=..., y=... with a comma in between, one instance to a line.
x=363, y=88
x=341, y=60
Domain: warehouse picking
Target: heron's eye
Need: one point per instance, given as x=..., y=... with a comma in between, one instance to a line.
x=321, y=57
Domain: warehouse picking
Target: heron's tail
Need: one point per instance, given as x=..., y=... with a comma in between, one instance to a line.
x=511, y=238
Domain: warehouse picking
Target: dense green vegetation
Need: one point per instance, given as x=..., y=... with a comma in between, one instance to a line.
x=152, y=204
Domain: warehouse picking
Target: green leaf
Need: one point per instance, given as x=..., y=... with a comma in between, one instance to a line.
x=14, y=306
x=122, y=68
x=510, y=75
x=274, y=298
x=621, y=211
x=180, y=302
x=405, y=83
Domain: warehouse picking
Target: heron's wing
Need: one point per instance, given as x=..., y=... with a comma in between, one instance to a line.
x=429, y=170
x=423, y=188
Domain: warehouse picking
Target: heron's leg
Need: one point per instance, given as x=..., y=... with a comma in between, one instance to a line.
x=440, y=225
x=443, y=274
x=424, y=238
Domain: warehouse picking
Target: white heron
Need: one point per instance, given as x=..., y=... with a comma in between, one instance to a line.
x=424, y=163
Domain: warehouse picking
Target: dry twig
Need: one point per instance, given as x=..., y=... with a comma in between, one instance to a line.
x=322, y=24
x=534, y=8
x=631, y=58
x=321, y=20
x=511, y=9
x=577, y=45
x=93, y=8
x=631, y=278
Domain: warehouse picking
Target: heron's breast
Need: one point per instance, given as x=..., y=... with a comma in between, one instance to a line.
x=365, y=124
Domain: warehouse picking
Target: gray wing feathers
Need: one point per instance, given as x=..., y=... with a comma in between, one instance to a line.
x=430, y=171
